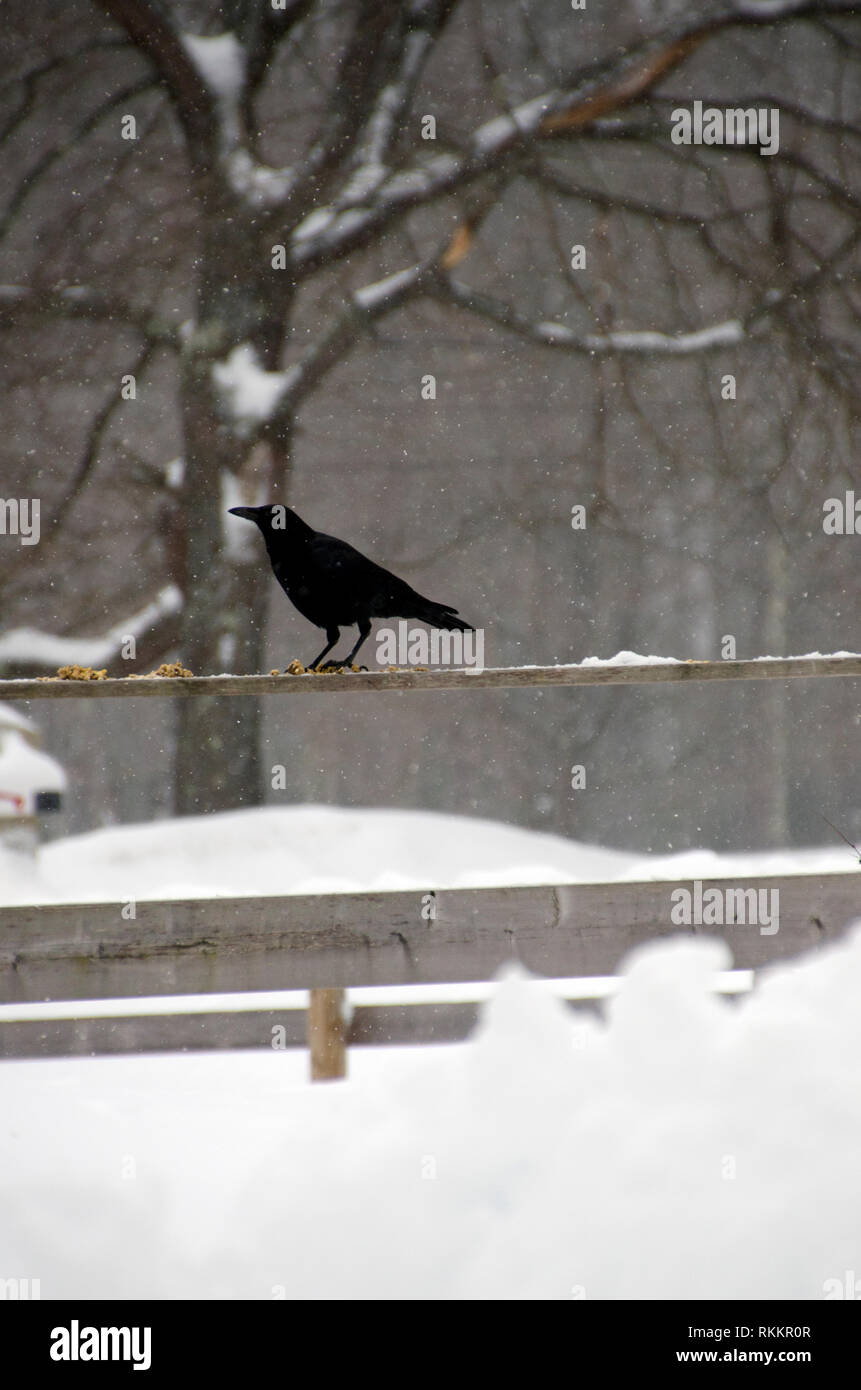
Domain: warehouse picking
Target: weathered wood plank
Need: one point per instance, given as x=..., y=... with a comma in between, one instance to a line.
x=492, y=678
x=94, y=1037
x=228, y=945
x=371, y=1026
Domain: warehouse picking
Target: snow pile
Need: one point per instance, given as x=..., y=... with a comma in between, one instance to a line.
x=692, y=864
x=685, y=1148
x=809, y=656
x=300, y=849
x=628, y=659
x=331, y=849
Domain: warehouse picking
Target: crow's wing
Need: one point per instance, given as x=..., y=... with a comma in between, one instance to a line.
x=360, y=586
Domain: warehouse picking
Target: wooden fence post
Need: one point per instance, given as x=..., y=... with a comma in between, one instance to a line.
x=326, y=1034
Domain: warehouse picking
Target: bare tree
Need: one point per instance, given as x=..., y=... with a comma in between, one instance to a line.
x=361, y=196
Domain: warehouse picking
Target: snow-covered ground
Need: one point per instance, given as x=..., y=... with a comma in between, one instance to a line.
x=685, y=1145
x=325, y=849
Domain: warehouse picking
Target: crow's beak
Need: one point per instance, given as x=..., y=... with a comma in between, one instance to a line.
x=249, y=513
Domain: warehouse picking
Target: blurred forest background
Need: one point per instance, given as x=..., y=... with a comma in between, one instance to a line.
x=152, y=256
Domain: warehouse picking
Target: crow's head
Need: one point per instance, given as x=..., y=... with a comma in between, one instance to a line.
x=274, y=520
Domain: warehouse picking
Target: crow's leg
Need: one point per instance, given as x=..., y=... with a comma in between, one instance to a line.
x=364, y=634
x=332, y=634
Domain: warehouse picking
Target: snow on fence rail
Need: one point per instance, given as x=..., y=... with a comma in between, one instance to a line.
x=643, y=671
x=331, y=942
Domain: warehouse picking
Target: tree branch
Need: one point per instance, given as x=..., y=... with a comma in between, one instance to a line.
x=261, y=30
x=153, y=36
x=328, y=233
x=420, y=27
x=95, y=436
x=30, y=79
x=368, y=304
x=73, y=138
x=558, y=335
x=363, y=308
x=22, y=304
x=26, y=651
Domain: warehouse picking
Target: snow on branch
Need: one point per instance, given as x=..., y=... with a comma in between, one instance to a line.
x=645, y=340
x=598, y=92
x=554, y=112
x=261, y=185
x=387, y=293
x=559, y=335
x=384, y=124
x=250, y=393
x=253, y=398
x=27, y=647
x=220, y=63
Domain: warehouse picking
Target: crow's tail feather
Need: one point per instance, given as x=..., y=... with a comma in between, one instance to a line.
x=442, y=616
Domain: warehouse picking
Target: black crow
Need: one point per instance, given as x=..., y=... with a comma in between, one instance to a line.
x=334, y=585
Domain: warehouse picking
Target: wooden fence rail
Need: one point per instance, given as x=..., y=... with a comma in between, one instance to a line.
x=396, y=1024
x=91, y=951
x=490, y=678
x=328, y=943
